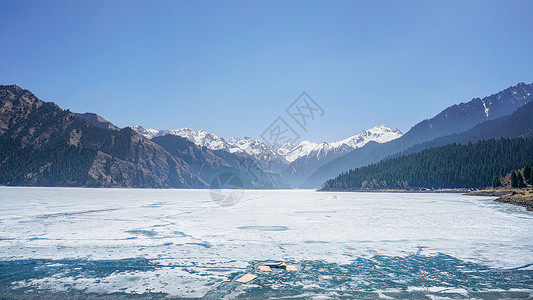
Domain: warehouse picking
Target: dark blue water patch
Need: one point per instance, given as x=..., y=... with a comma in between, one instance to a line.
x=316, y=242
x=164, y=225
x=149, y=233
x=264, y=228
x=17, y=270
x=397, y=277
x=23, y=270
x=522, y=267
x=180, y=234
x=156, y=204
x=222, y=270
x=363, y=278
x=154, y=234
x=201, y=244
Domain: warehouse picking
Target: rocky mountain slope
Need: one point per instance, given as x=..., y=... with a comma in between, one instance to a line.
x=46, y=142
x=518, y=124
x=210, y=163
x=97, y=120
x=259, y=151
x=42, y=144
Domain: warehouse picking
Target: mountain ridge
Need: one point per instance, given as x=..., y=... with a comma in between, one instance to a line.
x=292, y=161
x=453, y=119
x=125, y=157
x=121, y=157
x=388, y=174
x=213, y=141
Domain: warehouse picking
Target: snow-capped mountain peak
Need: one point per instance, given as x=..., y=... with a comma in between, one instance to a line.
x=285, y=153
x=380, y=134
x=260, y=151
x=201, y=138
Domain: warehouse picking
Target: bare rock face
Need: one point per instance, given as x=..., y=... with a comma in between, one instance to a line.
x=129, y=146
x=97, y=120
x=15, y=104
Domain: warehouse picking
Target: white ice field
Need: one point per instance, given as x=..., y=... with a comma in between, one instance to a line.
x=61, y=242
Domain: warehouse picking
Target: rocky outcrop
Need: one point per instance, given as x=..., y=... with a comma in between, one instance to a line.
x=97, y=120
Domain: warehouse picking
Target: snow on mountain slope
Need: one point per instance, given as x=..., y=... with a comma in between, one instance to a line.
x=148, y=133
x=284, y=148
x=259, y=150
x=250, y=146
x=201, y=138
x=380, y=134
x=286, y=153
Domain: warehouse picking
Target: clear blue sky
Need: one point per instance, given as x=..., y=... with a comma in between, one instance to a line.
x=232, y=67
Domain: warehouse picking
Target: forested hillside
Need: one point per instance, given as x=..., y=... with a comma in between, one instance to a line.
x=471, y=165
x=453, y=120
x=517, y=124
x=44, y=145
x=56, y=163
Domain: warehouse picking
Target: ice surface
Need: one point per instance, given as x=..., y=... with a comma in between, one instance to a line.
x=180, y=243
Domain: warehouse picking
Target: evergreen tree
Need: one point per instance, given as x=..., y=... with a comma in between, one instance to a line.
x=496, y=182
x=527, y=174
x=531, y=174
x=521, y=183
x=514, y=179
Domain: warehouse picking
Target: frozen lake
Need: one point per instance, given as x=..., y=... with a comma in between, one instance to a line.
x=129, y=243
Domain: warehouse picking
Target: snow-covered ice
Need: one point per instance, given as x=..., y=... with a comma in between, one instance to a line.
x=180, y=243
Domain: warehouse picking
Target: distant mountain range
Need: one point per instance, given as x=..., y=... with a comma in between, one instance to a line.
x=289, y=152
x=379, y=134
x=42, y=144
x=294, y=161
x=310, y=156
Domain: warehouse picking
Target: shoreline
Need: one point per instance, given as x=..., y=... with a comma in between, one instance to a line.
x=460, y=191
x=521, y=197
